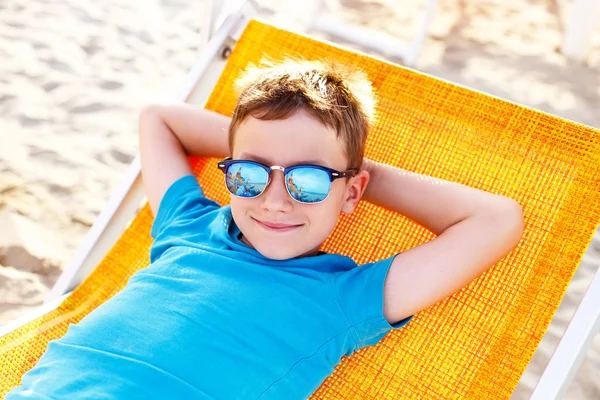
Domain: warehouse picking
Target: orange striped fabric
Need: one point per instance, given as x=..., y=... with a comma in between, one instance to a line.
x=476, y=343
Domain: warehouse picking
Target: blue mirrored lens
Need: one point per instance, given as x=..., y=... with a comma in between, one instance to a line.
x=308, y=185
x=245, y=179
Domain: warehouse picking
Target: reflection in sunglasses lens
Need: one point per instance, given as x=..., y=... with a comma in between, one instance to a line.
x=246, y=179
x=308, y=185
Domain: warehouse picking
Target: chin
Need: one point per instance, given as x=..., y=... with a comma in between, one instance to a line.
x=277, y=254
x=281, y=251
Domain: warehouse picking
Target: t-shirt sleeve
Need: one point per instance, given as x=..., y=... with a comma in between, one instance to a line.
x=360, y=293
x=178, y=212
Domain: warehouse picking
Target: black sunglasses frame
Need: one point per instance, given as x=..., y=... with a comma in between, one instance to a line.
x=332, y=173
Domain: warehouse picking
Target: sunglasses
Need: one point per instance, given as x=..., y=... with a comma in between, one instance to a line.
x=305, y=183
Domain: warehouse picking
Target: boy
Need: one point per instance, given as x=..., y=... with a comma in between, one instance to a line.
x=238, y=302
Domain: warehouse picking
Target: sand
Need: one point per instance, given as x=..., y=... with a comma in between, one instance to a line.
x=74, y=73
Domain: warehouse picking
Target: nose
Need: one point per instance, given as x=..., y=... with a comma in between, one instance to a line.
x=276, y=198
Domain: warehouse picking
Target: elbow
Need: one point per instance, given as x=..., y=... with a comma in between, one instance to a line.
x=150, y=120
x=148, y=111
x=508, y=214
x=512, y=213
x=520, y=217
x=516, y=211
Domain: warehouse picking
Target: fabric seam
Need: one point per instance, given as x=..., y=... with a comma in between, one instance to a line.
x=338, y=303
x=180, y=189
x=301, y=359
x=160, y=216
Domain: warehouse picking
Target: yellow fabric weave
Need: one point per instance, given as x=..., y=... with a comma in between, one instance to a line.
x=475, y=344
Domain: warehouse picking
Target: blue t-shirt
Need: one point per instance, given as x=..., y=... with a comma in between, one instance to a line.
x=211, y=318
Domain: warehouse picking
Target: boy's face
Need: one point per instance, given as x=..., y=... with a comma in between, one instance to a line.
x=299, y=139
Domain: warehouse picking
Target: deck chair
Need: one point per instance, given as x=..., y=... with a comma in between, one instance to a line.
x=473, y=345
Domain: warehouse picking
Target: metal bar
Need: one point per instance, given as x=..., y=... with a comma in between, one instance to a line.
x=120, y=209
x=572, y=347
x=32, y=315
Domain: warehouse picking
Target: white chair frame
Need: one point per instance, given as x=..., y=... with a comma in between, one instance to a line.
x=383, y=43
x=579, y=30
x=126, y=201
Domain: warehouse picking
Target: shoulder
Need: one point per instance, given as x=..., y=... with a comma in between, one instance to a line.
x=193, y=227
x=360, y=292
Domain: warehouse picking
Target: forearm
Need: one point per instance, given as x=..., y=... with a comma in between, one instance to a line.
x=202, y=133
x=433, y=203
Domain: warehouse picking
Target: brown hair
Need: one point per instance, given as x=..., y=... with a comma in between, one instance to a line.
x=339, y=96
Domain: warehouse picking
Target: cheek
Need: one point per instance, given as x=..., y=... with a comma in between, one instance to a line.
x=238, y=209
x=240, y=204
x=337, y=195
x=234, y=205
x=325, y=215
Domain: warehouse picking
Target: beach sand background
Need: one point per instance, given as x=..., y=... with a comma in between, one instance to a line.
x=74, y=73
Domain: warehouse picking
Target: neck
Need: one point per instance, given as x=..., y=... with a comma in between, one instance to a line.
x=313, y=252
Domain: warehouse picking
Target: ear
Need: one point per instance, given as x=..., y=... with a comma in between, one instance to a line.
x=354, y=190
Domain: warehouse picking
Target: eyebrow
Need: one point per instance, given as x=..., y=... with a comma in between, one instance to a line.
x=253, y=157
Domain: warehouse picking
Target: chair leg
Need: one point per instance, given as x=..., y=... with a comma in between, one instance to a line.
x=211, y=11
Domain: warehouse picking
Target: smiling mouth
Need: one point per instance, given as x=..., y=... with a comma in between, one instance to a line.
x=271, y=227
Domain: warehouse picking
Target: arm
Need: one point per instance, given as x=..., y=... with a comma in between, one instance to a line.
x=475, y=229
x=168, y=134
